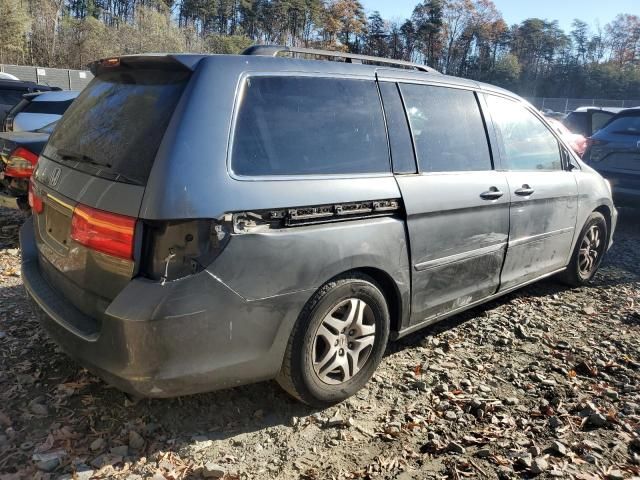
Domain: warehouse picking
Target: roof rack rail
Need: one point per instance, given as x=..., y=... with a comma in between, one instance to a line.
x=274, y=50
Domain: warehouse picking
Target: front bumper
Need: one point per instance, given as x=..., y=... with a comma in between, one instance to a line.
x=183, y=337
x=626, y=197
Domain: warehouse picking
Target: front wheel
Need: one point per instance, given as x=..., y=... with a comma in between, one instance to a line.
x=589, y=251
x=337, y=342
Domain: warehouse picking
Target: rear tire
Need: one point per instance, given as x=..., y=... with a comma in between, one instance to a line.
x=337, y=342
x=589, y=251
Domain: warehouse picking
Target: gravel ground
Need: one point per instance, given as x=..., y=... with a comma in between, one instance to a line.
x=543, y=382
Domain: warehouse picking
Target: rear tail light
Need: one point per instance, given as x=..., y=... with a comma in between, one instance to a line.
x=21, y=163
x=176, y=249
x=594, y=154
x=35, y=202
x=104, y=232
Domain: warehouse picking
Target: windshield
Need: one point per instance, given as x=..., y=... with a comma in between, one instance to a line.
x=117, y=123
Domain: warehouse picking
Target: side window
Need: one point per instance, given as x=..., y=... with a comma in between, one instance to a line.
x=447, y=129
x=598, y=119
x=402, y=156
x=304, y=125
x=527, y=142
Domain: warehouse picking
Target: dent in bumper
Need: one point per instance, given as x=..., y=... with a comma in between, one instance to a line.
x=183, y=337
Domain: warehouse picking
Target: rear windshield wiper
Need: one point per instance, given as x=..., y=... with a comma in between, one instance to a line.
x=79, y=157
x=67, y=155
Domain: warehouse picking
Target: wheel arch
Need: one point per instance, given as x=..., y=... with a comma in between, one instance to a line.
x=606, y=212
x=390, y=290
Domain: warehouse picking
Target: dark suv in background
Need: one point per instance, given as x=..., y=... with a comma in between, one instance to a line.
x=588, y=120
x=11, y=92
x=614, y=151
x=204, y=221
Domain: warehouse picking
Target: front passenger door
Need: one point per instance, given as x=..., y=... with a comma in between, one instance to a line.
x=544, y=194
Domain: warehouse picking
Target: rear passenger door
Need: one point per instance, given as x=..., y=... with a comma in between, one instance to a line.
x=544, y=194
x=457, y=205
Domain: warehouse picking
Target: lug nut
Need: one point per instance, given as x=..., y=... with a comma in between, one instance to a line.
x=350, y=345
x=336, y=344
x=341, y=352
x=352, y=333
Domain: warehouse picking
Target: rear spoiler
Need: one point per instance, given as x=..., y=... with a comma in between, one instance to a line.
x=156, y=61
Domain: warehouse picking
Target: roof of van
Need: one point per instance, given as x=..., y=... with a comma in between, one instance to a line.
x=272, y=63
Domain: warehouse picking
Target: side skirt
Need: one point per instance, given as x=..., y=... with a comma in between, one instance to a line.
x=443, y=316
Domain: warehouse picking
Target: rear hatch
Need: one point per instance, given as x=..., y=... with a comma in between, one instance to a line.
x=91, y=176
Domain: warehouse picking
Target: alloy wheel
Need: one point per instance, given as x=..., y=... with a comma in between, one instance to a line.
x=590, y=250
x=343, y=341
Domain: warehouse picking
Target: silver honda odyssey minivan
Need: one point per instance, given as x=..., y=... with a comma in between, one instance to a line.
x=206, y=221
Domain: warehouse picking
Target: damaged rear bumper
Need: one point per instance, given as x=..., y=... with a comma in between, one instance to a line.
x=183, y=337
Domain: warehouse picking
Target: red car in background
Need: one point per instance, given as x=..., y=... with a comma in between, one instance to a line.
x=576, y=141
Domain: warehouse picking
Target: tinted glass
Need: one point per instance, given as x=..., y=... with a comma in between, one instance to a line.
x=402, y=155
x=8, y=98
x=625, y=125
x=447, y=128
x=598, y=119
x=119, y=120
x=302, y=125
x=527, y=142
x=577, y=123
x=50, y=108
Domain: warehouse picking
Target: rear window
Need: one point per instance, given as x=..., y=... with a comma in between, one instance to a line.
x=307, y=126
x=47, y=107
x=624, y=125
x=116, y=124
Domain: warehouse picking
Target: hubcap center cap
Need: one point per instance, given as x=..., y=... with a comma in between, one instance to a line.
x=342, y=341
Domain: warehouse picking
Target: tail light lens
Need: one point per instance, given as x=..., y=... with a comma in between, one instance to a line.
x=35, y=202
x=104, y=232
x=21, y=163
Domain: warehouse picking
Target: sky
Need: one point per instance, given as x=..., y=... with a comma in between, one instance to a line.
x=514, y=11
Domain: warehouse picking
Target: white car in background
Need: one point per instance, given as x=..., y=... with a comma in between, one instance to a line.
x=37, y=110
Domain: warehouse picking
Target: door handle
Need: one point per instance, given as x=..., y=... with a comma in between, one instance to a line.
x=525, y=191
x=492, y=194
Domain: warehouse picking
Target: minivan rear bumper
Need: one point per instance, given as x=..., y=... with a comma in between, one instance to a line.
x=183, y=337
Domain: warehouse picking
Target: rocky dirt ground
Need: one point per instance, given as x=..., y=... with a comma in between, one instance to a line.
x=542, y=383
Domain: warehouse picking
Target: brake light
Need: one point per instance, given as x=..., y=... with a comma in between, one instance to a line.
x=102, y=231
x=35, y=202
x=592, y=141
x=21, y=163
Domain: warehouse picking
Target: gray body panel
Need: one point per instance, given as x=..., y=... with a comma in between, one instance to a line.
x=442, y=252
x=457, y=241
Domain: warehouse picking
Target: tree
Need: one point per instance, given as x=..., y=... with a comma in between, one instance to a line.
x=376, y=36
x=580, y=37
x=14, y=24
x=427, y=19
x=623, y=38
